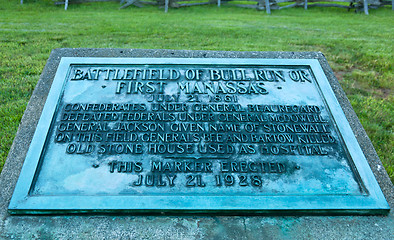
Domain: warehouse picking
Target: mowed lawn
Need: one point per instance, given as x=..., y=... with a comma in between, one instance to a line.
x=358, y=47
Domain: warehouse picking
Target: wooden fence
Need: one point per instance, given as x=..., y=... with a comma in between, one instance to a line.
x=267, y=5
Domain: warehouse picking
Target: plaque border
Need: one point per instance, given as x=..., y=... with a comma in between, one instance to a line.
x=373, y=202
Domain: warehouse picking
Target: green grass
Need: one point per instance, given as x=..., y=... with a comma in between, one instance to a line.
x=359, y=48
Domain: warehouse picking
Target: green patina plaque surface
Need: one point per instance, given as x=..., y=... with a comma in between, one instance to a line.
x=194, y=135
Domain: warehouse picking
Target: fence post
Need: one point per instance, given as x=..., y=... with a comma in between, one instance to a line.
x=366, y=7
x=267, y=6
x=166, y=3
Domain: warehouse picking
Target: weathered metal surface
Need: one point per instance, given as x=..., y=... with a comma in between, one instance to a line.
x=194, y=135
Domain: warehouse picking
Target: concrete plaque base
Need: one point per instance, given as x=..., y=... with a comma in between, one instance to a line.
x=116, y=226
